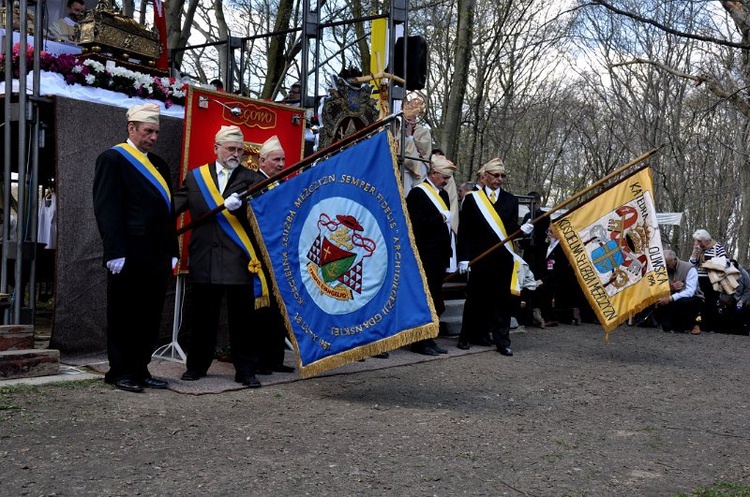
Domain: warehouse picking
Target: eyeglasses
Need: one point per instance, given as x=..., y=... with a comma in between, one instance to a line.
x=233, y=150
x=498, y=175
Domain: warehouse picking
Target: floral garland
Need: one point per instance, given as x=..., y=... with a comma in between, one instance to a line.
x=95, y=74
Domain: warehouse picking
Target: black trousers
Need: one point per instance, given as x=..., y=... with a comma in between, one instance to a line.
x=487, y=310
x=207, y=300
x=271, y=336
x=135, y=301
x=679, y=315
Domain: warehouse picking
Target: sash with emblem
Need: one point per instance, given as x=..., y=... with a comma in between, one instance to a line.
x=232, y=227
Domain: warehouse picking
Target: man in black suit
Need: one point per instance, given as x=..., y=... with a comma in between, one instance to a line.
x=133, y=209
x=223, y=259
x=429, y=211
x=272, y=337
x=487, y=216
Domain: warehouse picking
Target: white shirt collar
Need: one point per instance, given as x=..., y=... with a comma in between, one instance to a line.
x=138, y=149
x=433, y=184
x=487, y=190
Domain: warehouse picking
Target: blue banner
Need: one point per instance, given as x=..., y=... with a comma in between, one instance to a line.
x=343, y=259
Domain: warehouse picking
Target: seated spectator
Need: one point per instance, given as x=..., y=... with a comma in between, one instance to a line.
x=678, y=311
x=733, y=311
x=704, y=249
x=64, y=29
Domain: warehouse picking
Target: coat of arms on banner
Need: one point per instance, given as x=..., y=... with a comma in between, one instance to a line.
x=619, y=245
x=335, y=264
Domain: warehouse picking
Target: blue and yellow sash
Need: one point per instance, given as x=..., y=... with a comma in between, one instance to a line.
x=143, y=165
x=232, y=227
x=520, y=267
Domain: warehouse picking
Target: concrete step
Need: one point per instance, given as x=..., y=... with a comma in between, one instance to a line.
x=28, y=363
x=453, y=315
x=16, y=337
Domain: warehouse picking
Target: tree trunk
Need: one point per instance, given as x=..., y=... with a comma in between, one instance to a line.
x=452, y=120
x=275, y=60
x=179, y=33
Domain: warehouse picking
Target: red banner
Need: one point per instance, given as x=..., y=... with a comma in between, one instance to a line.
x=206, y=111
x=160, y=23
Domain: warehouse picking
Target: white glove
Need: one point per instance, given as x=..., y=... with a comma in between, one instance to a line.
x=527, y=228
x=463, y=267
x=115, y=265
x=174, y=262
x=447, y=215
x=233, y=202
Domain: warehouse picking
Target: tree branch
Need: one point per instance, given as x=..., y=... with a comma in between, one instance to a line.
x=667, y=29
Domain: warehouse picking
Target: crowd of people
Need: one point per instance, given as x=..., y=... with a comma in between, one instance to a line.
x=708, y=292
x=455, y=229
x=135, y=206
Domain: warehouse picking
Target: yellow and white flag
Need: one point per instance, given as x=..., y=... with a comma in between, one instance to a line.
x=614, y=245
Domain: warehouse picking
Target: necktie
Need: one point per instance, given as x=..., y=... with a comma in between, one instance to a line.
x=223, y=178
x=493, y=198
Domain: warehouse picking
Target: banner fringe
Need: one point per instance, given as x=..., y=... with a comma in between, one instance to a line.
x=406, y=337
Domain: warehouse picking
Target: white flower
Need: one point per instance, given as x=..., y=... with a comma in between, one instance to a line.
x=90, y=78
x=94, y=65
x=165, y=82
x=77, y=69
x=178, y=93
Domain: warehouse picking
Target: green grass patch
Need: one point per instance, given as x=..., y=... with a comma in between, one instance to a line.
x=723, y=489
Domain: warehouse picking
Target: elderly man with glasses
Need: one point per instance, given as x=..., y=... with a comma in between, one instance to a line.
x=221, y=251
x=487, y=216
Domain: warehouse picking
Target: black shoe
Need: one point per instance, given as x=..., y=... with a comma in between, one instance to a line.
x=383, y=355
x=424, y=350
x=264, y=371
x=281, y=368
x=484, y=342
x=437, y=348
x=192, y=375
x=249, y=381
x=128, y=385
x=506, y=351
x=154, y=383
x=463, y=345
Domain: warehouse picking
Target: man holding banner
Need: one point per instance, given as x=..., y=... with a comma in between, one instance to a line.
x=272, y=338
x=488, y=215
x=223, y=259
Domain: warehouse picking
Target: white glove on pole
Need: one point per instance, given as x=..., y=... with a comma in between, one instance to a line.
x=447, y=216
x=463, y=267
x=527, y=228
x=115, y=265
x=174, y=262
x=233, y=202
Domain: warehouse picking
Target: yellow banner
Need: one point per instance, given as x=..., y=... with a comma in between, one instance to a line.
x=614, y=245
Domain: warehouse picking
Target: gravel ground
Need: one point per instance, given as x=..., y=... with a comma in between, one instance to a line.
x=651, y=413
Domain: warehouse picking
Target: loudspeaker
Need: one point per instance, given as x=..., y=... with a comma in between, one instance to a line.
x=416, y=62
